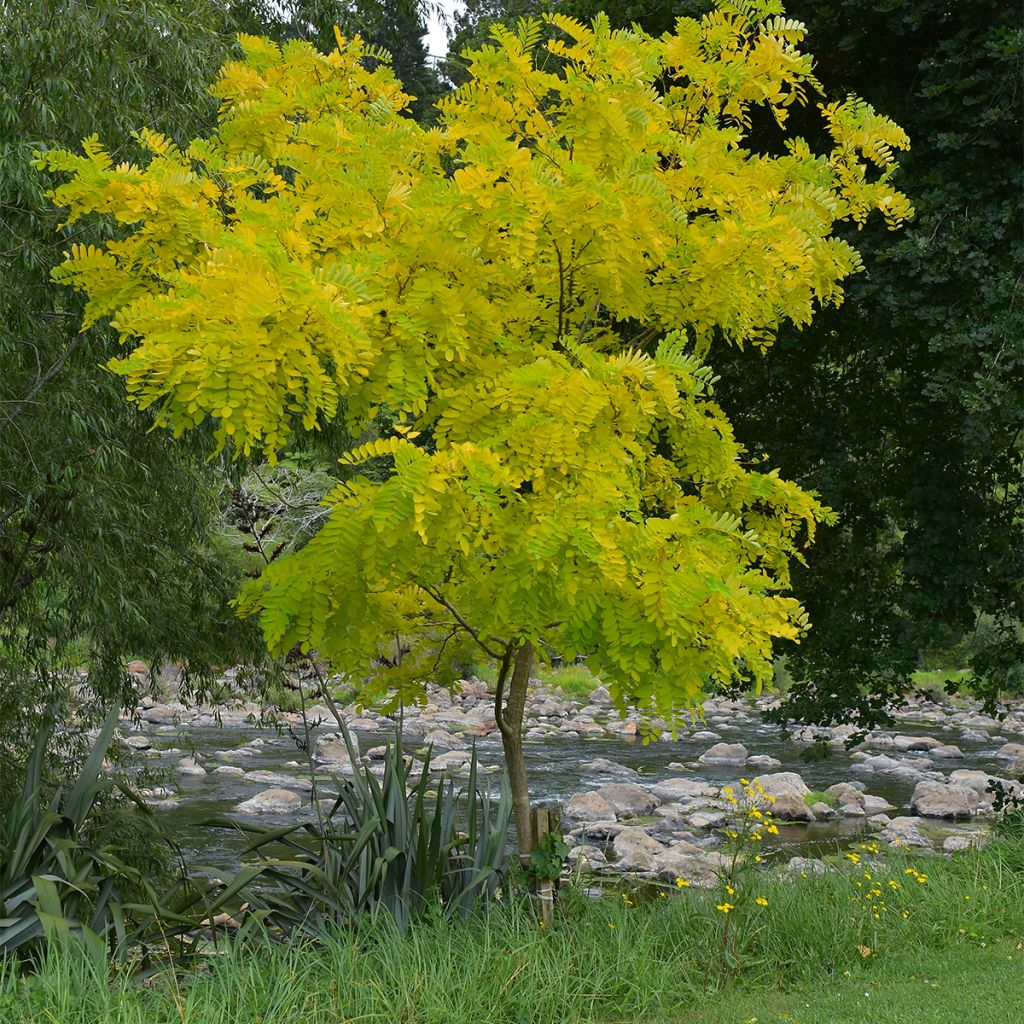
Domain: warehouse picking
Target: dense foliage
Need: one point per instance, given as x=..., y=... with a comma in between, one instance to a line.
x=101, y=522
x=904, y=408
x=552, y=483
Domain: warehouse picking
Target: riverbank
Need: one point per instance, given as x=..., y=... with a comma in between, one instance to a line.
x=949, y=948
x=923, y=782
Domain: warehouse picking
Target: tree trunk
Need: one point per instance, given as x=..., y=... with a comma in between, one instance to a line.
x=511, y=724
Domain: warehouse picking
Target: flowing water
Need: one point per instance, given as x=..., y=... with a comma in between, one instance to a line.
x=557, y=769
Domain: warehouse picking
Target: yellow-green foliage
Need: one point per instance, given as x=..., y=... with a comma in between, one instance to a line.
x=552, y=481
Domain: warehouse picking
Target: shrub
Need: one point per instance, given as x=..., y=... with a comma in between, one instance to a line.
x=399, y=846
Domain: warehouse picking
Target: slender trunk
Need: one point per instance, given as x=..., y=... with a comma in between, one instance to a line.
x=511, y=725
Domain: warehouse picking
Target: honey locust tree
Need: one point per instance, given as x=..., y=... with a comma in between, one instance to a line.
x=321, y=255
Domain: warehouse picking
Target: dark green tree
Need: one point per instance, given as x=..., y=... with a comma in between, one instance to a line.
x=102, y=547
x=904, y=408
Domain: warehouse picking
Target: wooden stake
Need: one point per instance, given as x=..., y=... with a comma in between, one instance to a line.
x=545, y=888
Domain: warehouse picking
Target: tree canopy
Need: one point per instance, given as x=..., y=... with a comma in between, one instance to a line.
x=553, y=483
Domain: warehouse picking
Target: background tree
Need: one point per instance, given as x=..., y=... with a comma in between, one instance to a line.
x=101, y=522
x=551, y=483
x=904, y=409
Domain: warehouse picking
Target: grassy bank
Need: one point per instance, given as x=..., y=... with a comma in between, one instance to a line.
x=816, y=949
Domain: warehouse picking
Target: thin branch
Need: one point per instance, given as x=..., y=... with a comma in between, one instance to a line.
x=444, y=602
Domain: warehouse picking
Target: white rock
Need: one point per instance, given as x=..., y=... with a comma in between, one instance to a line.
x=271, y=801
x=726, y=754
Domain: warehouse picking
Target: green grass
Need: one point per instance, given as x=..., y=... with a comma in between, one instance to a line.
x=629, y=958
x=577, y=682
x=818, y=797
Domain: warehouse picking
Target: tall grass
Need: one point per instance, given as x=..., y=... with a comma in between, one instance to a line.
x=629, y=957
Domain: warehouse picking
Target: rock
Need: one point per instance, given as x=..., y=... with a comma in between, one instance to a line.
x=234, y=755
x=876, y=804
x=603, y=766
x=587, y=807
x=228, y=769
x=587, y=857
x=823, y=812
x=705, y=736
x=940, y=800
x=332, y=751
x=279, y=780
x=628, y=801
x=707, y=819
x=782, y=784
x=904, y=832
x=958, y=843
x=690, y=863
x=637, y=862
x=602, y=831
x=764, y=761
x=629, y=840
x=972, y=779
x=726, y=754
x=876, y=763
x=973, y=736
x=190, y=766
x=438, y=738
x=137, y=742
x=806, y=866
x=271, y=801
x=948, y=752
x=915, y=742
x=1010, y=751
x=683, y=789
x=451, y=761
x=788, y=807
x=845, y=793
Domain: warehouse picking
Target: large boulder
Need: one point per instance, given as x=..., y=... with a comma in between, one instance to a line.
x=1010, y=751
x=691, y=864
x=941, y=800
x=733, y=754
x=630, y=840
x=915, y=742
x=782, y=784
x=628, y=801
x=684, y=789
x=587, y=807
x=903, y=832
x=272, y=801
x=602, y=766
x=333, y=753
x=788, y=807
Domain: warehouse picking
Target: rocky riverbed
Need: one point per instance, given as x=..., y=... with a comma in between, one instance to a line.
x=650, y=810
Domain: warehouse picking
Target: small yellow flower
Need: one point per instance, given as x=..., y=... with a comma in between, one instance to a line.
x=761, y=901
x=772, y=830
x=730, y=890
x=745, y=782
x=724, y=907
x=681, y=883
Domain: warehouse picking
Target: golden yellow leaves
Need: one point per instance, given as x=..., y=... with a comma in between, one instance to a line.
x=473, y=280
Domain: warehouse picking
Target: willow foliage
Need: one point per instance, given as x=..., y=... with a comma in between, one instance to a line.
x=321, y=254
